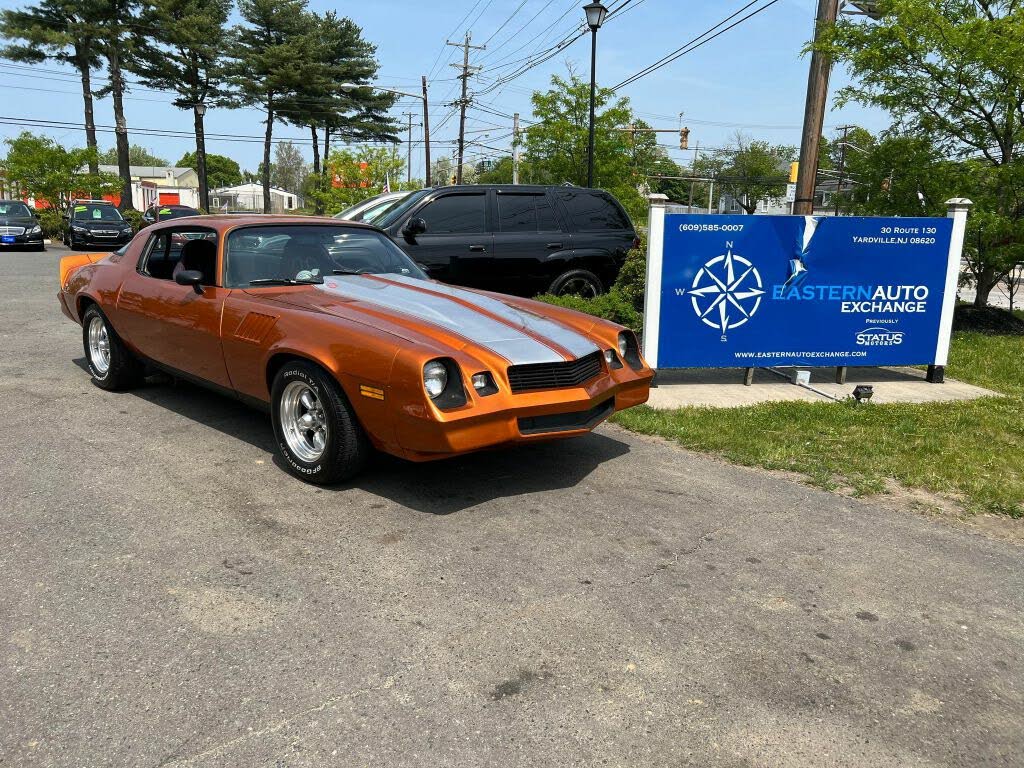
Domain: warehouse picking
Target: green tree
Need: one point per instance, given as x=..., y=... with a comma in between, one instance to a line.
x=137, y=155
x=356, y=175
x=754, y=170
x=289, y=169
x=339, y=56
x=220, y=171
x=274, y=54
x=952, y=71
x=40, y=167
x=183, y=52
x=556, y=145
x=499, y=173
x=61, y=31
x=115, y=23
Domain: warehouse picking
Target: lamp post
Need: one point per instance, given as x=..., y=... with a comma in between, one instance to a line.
x=426, y=115
x=199, y=112
x=595, y=18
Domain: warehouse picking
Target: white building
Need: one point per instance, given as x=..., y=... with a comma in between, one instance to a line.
x=249, y=197
x=160, y=185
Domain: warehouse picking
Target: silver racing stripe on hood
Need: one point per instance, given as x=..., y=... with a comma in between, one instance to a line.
x=566, y=338
x=516, y=346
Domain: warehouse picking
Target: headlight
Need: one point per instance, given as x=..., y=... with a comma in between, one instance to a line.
x=78, y=229
x=435, y=378
x=623, y=344
x=35, y=230
x=630, y=350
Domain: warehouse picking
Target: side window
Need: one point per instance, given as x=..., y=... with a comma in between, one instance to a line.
x=156, y=261
x=168, y=247
x=517, y=213
x=525, y=213
x=593, y=211
x=454, y=214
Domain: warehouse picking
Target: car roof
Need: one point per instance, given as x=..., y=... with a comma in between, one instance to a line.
x=6, y=202
x=223, y=222
x=514, y=187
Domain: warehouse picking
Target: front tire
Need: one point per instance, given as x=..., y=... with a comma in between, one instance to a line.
x=316, y=429
x=110, y=363
x=577, y=282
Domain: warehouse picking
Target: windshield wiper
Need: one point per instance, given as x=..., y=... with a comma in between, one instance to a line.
x=346, y=272
x=286, y=281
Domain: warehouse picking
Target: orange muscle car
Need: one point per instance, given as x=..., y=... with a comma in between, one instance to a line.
x=335, y=331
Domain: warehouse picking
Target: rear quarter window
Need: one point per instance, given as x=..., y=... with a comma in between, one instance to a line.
x=593, y=211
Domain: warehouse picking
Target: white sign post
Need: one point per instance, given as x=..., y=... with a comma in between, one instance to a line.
x=957, y=209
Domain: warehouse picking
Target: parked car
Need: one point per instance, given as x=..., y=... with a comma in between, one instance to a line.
x=19, y=226
x=335, y=331
x=95, y=223
x=371, y=208
x=516, y=239
x=156, y=213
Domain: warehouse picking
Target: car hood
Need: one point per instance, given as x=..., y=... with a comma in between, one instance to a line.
x=518, y=336
x=93, y=224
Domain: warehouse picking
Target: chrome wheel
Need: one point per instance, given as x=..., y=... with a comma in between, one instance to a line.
x=578, y=286
x=99, y=346
x=303, y=422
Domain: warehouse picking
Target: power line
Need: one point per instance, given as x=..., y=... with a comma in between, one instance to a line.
x=693, y=45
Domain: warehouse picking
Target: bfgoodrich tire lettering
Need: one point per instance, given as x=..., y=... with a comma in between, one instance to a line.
x=316, y=429
x=110, y=363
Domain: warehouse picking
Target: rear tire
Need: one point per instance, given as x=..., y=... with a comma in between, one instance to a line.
x=577, y=282
x=110, y=363
x=317, y=432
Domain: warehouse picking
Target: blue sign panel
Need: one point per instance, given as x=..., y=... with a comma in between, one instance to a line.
x=758, y=291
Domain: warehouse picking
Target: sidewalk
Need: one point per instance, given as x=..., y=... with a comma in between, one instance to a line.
x=724, y=388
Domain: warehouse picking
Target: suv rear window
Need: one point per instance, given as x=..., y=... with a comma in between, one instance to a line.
x=593, y=210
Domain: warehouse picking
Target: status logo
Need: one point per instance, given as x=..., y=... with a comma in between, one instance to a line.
x=726, y=292
x=879, y=337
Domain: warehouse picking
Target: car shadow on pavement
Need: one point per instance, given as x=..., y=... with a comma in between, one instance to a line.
x=435, y=487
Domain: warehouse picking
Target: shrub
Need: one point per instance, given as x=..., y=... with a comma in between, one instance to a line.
x=630, y=283
x=134, y=218
x=52, y=223
x=612, y=306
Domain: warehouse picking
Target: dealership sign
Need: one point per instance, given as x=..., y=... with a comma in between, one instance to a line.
x=759, y=291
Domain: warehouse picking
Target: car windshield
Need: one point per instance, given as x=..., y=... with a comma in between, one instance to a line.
x=368, y=210
x=174, y=213
x=285, y=254
x=390, y=216
x=95, y=212
x=14, y=209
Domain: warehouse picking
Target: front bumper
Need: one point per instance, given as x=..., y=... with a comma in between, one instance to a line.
x=90, y=238
x=16, y=241
x=504, y=418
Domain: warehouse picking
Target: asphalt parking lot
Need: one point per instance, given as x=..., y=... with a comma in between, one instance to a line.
x=171, y=597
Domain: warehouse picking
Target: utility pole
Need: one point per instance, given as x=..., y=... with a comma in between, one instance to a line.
x=464, y=101
x=693, y=169
x=814, y=111
x=426, y=134
x=515, y=147
x=408, y=149
x=842, y=165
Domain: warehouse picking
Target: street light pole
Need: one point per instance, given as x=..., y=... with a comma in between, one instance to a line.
x=595, y=18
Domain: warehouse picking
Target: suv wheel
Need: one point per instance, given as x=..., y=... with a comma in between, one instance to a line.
x=577, y=282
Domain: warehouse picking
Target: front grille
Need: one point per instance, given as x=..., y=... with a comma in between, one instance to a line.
x=12, y=230
x=106, y=232
x=566, y=422
x=523, y=378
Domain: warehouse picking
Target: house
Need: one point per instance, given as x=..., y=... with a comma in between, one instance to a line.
x=249, y=197
x=159, y=185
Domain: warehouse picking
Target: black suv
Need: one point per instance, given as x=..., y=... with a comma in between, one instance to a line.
x=19, y=226
x=95, y=222
x=157, y=213
x=515, y=238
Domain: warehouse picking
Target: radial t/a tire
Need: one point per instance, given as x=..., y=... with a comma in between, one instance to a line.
x=577, y=282
x=317, y=432
x=110, y=363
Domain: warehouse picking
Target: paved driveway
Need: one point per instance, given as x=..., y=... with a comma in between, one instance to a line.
x=171, y=597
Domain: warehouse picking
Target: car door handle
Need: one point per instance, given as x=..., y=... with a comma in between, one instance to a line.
x=477, y=248
x=554, y=246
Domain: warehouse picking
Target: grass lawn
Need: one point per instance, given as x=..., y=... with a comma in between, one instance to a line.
x=972, y=451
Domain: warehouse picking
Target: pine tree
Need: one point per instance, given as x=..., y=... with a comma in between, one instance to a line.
x=182, y=52
x=58, y=30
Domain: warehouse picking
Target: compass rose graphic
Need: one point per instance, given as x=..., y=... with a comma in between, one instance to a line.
x=726, y=292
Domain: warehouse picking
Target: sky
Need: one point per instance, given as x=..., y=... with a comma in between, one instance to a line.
x=751, y=78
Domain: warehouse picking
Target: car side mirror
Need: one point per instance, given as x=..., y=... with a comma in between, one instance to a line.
x=415, y=226
x=191, y=277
